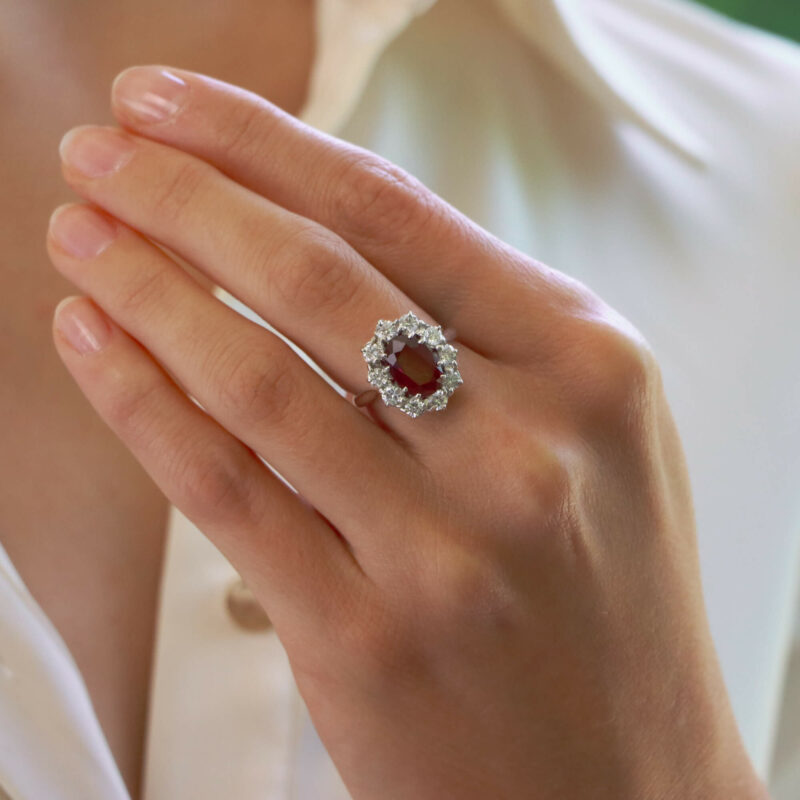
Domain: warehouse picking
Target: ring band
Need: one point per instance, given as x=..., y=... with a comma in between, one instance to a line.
x=412, y=365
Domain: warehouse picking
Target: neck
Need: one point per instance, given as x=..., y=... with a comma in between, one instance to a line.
x=68, y=52
x=57, y=61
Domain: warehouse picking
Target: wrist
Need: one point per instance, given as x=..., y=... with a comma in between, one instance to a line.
x=695, y=751
x=721, y=769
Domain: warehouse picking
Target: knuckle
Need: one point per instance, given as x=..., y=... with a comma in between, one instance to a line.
x=546, y=466
x=376, y=196
x=145, y=290
x=254, y=385
x=131, y=407
x=617, y=370
x=381, y=647
x=314, y=273
x=548, y=486
x=373, y=634
x=177, y=192
x=244, y=132
x=207, y=480
x=469, y=591
x=212, y=483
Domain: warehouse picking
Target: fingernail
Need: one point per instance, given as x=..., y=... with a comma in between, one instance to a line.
x=149, y=94
x=83, y=326
x=81, y=232
x=96, y=151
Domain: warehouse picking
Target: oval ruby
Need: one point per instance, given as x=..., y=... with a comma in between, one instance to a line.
x=412, y=365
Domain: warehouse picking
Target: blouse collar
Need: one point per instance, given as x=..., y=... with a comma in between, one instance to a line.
x=351, y=35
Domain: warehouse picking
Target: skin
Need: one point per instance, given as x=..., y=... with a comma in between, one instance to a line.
x=499, y=600
x=81, y=520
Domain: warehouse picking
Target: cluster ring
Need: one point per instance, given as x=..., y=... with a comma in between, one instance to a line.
x=396, y=388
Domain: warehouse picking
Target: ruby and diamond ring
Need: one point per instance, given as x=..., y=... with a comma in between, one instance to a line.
x=412, y=365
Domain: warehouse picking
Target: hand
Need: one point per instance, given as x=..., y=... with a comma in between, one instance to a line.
x=500, y=600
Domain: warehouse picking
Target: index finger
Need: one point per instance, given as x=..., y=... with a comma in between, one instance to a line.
x=423, y=245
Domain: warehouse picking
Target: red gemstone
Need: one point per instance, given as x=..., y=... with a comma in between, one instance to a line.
x=412, y=365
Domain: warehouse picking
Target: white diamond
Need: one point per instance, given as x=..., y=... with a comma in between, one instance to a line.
x=432, y=336
x=387, y=331
x=373, y=350
x=446, y=355
x=379, y=375
x=393, y=394
x=412, y=325
x=413, y=406
x=437, y=401
x=450, y=380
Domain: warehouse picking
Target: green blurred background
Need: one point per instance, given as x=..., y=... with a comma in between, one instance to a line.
x=778, y=16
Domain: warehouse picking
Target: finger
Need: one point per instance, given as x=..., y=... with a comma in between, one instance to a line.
x=246, y=377
x=297, y=565
x=302, y=278
x=432, y=252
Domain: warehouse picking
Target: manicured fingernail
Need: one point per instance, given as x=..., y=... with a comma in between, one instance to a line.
x=96, y=151
x=81, y=232
x=149, y=94
x=84, y=327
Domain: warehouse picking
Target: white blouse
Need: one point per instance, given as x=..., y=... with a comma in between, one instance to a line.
x=648, y=148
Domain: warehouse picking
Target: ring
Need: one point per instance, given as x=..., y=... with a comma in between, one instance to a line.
x=412, y=365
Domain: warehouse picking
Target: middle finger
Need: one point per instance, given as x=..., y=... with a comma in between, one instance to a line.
x=299, y=276
x=242, y=375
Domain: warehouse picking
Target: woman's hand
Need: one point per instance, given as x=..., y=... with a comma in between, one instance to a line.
x=500, y=600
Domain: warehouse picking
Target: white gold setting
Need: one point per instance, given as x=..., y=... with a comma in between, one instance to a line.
x=379, y=373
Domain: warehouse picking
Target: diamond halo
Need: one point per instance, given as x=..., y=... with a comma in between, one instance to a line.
x=416, y=332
